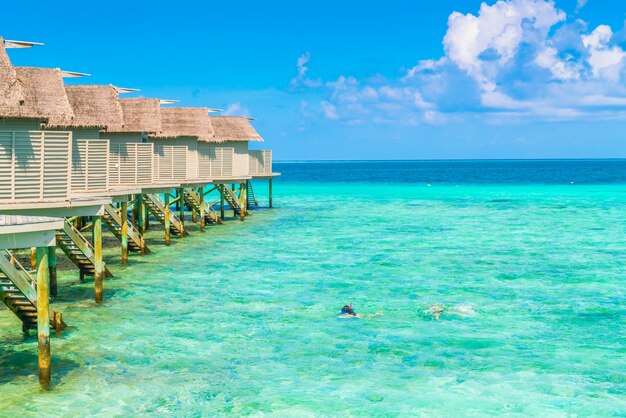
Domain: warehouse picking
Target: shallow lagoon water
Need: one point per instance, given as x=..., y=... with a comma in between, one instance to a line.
x=243, y=318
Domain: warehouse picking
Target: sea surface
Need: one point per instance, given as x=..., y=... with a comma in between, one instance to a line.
x=527, y=259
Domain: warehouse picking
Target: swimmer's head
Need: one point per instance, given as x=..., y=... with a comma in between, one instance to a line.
x=347, y=310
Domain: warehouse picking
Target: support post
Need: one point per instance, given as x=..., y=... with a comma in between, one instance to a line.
x=221, y=203
x=124, y=216
x=52, y=267
x=146, y=217
x=270, y=187
x=99, y=263
x=247, y=188
x=142, y=216
x=242, y=201
x=135, y=212
x=167, y=219
x=177, y=194
x=202, y=208
x=33, y=258
x=181, y=206
x=43, y=317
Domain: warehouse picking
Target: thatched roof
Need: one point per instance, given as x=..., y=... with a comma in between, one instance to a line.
x=233, y=128
x=12, y=100
x=177, y=122
x=140, y=115
x=94, y=106
x=44, y=93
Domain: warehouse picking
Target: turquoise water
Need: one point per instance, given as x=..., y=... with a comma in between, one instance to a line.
x=243, y=318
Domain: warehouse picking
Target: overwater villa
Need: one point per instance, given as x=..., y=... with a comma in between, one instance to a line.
x=75, y=157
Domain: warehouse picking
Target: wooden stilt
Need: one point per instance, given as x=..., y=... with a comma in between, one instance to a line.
x=33, y=258
x=167, y=219
x=181, y=213
x=242, y=201
x=202, y=208
x=221, y=204
x=52, y=265
x=43, y=317
x=124, y=216
x=146, y=217
x=135, y=212
x=270, y=187
x=247, y=188
x=176, y=195
x=142, y=217
x=99, y=263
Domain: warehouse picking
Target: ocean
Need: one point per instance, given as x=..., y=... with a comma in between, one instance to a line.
x=526, y=259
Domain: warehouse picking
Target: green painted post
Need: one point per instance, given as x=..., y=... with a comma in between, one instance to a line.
x=135, y=212
x=43, y=317
x=124, y=216
x=202, y=208
x=167, y=219
x=99, y=263
x=52, y=266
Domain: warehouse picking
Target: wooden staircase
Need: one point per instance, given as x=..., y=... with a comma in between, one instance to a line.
x=251, y=196
x=230, y=197
x=113, y=220
x=157, y=208
x=78, y=249
x=193, y=200
x=18, y=291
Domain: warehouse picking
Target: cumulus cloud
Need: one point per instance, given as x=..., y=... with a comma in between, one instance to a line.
x=580, y=4
x=512, y=59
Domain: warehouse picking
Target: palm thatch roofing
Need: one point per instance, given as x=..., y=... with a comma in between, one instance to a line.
x=140, y=115
x=177, y=122
x=94, y=106
x=44, y=93
x=13, y=102
x=233, y=128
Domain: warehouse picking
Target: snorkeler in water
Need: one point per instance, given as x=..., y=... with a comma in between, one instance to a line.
x=348, y=312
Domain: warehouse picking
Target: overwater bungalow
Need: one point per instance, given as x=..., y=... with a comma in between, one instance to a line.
x=75, y=157
x=234, y=134
x=186, y=128
x=38, y=162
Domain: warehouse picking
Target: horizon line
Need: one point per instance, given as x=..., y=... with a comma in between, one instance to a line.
x=452, y=159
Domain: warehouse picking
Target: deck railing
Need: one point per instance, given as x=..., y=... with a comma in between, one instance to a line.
x=170, y=163
x=215, y=162
x=130, y=164
x=260, y=162
x=90, y=165
x=35, y=166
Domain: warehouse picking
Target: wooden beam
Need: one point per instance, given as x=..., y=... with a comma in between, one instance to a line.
x=33, y=258
x=43, y=317
x=124, y=216
x=99, y=263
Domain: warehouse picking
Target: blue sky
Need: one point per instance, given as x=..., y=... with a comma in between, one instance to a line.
x=361, y=79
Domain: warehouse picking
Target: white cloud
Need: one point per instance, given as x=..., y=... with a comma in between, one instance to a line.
x=511, y=60
x=580, y=4
x=236, y=109
x=301, y=80
x=496, y=31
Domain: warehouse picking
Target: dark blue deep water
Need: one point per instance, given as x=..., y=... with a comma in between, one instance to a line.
x=458, y=172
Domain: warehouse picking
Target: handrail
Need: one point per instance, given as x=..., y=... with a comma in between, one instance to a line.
x=21, y=279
